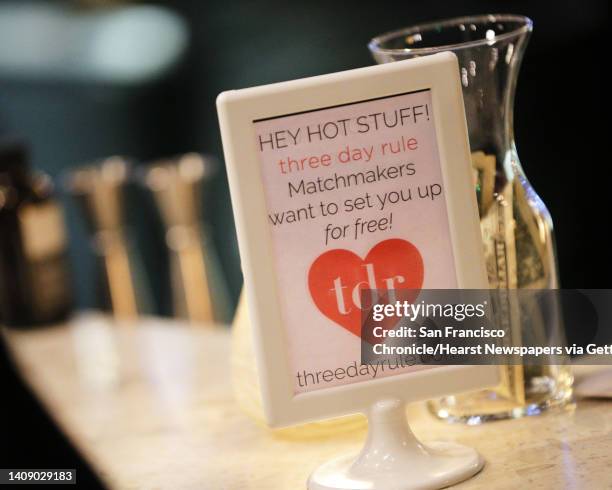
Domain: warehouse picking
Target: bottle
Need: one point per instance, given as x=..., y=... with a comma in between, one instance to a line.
x=34, y=274
x=516, y=227
x=199, y=289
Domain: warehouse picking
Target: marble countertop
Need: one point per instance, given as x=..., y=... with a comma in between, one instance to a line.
x=150, y=406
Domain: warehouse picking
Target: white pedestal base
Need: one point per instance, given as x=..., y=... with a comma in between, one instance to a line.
x=394, y=459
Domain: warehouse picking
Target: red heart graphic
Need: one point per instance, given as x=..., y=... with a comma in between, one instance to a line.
x=337, y=277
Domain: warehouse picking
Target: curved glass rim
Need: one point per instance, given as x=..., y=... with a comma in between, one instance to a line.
x=526, y=26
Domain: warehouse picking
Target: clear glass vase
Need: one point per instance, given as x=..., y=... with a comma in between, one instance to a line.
x=516, y=227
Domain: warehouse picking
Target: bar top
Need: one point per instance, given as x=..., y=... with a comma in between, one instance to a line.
x=150, y=406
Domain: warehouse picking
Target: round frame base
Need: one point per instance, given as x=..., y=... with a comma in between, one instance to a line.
x=447, y=464
x=394, y=459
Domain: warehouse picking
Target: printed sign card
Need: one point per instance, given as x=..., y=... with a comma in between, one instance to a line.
x=351, y=181
x=355, y=199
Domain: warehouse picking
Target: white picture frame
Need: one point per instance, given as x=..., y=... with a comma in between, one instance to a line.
x=237, y=112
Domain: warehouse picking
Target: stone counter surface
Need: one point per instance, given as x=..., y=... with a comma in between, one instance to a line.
x=150, y=406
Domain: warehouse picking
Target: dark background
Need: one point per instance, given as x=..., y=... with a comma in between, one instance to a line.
x=561, y=115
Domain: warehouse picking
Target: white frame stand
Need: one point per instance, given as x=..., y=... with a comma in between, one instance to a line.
x=238, y=112
x=394, y=459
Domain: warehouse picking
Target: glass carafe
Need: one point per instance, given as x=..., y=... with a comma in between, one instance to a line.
x=516, y=227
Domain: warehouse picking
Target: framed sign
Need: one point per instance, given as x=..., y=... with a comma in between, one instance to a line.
x=353, y=180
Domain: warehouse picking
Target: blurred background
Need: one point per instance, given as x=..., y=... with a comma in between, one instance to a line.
x=81, y=81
